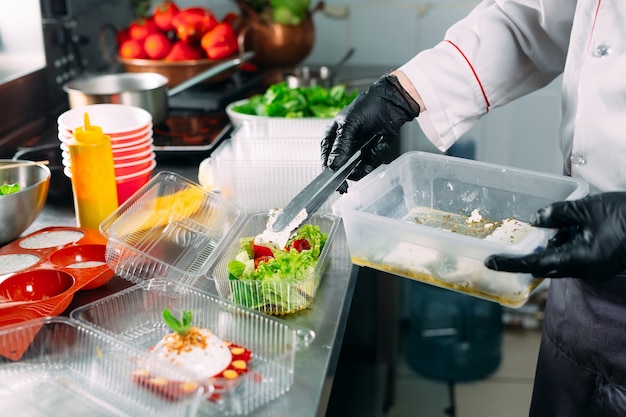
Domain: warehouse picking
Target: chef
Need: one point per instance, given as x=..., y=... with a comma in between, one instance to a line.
x=503, y=50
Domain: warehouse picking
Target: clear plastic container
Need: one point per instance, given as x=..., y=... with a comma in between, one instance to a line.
x=58, y=365
x=264, y=176
x=246, y=145
x=171, y=228
x=402, y=219
x=134, y=316
x=275, y=127
x=274, y=297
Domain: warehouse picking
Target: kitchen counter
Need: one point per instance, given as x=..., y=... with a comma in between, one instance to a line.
x=315, y=366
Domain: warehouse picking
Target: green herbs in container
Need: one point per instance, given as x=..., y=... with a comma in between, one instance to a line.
x=280, y=100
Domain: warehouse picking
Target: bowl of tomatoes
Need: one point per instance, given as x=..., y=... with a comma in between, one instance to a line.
x=178, y=43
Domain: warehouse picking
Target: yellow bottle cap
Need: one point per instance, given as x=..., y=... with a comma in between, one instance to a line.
x=88, y=133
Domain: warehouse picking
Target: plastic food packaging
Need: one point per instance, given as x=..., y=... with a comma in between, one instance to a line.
x=259, y=172
x=56, y=366
x=93, y=175
x=135, y=316
x=170, y=228
x=277, y=296
x=417, y=217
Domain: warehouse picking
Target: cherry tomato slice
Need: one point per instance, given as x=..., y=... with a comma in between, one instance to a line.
x=301, y=244
x=260, y=259
x=262, y=251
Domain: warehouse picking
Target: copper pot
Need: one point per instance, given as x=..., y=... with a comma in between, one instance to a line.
x=275, y=44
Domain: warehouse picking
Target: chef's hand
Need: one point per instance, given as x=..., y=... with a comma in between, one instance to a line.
x=381, y=110
x=590, y=242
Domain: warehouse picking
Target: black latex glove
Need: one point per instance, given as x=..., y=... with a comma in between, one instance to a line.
x=590, y=242
x=381, y=110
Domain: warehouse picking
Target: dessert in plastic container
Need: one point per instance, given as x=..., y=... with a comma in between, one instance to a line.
x=41, y=272
x=59, y=366
x=170, y=228
x=424, y=217
x=275, y=297
x=135, y=316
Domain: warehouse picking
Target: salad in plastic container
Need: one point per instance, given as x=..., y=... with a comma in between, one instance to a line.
x=275, y=281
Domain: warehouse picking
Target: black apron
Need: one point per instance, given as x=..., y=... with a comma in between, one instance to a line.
x=581, y=370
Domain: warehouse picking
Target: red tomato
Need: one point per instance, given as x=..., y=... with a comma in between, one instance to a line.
x=141, y=28
x=182, y=51
x=260, y=259
x=301, y=244
x=220, y=42
x=262, y=251
x=157, y=45
x=132, y=48
x=192, y=23
x=164, y=14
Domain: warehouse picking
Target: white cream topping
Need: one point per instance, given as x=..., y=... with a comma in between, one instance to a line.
x=205, y=361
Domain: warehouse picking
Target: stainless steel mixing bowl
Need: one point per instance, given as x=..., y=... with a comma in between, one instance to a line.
x=19, y=210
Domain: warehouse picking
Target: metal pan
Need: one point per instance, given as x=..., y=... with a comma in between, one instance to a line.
x=142, y=89
x=308, y=76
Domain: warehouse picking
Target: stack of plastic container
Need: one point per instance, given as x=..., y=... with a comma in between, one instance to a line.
x=263, y=166
x=130, y=130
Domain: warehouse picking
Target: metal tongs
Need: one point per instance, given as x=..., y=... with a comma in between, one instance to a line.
x=282, y=223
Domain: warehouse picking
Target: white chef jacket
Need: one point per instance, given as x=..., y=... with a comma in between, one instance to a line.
x=507, y=48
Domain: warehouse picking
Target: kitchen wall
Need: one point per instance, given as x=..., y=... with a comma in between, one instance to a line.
x=388, y=33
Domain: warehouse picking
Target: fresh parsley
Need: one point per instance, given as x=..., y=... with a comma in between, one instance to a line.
x=181, y=326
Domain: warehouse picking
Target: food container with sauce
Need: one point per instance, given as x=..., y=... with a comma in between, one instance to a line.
x=435, y=218
x=57, y=366
x=134, y=316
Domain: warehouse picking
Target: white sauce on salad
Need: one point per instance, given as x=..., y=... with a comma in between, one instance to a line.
x=279, y=239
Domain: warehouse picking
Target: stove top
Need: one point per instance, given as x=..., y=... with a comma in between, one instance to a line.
x=189, y=130
x=197, y=120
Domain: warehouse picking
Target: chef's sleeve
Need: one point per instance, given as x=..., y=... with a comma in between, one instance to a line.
x=502, y=50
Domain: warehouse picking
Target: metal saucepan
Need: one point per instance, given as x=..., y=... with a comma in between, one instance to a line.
x=142, y=89
x=325, y=76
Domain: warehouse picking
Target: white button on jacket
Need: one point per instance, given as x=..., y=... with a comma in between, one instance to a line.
x=507, y=48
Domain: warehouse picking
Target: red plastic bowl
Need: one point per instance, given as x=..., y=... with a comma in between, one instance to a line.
x=133, y=167
x=128, y=185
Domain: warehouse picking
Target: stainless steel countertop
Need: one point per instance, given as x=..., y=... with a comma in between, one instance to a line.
x=327, y=316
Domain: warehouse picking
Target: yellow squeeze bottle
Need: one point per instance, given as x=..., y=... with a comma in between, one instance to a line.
x=93, y=175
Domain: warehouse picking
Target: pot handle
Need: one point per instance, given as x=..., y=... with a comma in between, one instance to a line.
x=211, y=72
x=104, y=47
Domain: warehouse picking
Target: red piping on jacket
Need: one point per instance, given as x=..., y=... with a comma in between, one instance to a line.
x=474, y=72
x=595, y=19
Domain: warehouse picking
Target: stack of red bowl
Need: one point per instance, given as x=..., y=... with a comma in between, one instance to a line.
x=130, y=130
